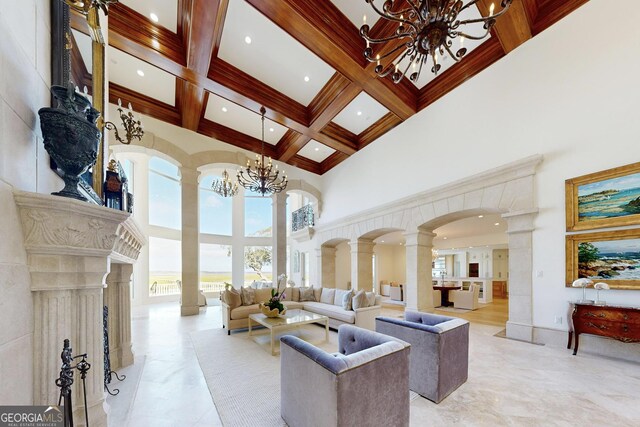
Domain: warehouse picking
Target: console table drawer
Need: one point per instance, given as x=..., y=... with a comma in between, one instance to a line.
x=611, y=315
x=618, y=330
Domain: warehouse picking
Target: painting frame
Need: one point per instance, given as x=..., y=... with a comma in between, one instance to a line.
x=573, y=240
x=572, y=201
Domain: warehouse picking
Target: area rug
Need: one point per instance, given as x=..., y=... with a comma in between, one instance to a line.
x=242, y=375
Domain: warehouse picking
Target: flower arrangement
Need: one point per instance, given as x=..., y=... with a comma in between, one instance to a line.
x=273, y=306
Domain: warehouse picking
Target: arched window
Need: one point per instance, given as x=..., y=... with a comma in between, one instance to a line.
x=258, y=215
x=216, y=212
x=165, y=206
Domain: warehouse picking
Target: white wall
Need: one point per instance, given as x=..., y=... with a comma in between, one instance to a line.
x=24, y=88
x=569, y=94
x=343, y=265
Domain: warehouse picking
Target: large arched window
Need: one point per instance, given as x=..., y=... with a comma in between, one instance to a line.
x=216, y=212
x=165, y=207
x=258, y=215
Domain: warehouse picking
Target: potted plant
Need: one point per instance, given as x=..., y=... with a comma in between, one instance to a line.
x=273, y=307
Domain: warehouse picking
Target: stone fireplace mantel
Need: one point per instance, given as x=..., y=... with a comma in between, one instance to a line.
x=71, y=246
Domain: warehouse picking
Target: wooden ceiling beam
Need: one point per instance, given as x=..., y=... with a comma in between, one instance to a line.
x=376, y=130
x=551, y=11
x=306, y=164
x=290, y=144
x=337, y=42
x=144, y=104
x=201, y=46
x=332, y=161
x=233, y=137
x=474, y=62
x=513, y=28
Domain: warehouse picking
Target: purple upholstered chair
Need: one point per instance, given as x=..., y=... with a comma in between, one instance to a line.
x=439, y=360
x=365, y=384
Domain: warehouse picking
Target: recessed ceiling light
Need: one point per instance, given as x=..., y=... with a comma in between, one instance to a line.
x=140, y=73
x=155, y=44
x=445, y=238
x=470, y=247
x=270, y=129
x=497, y=223
x=306, y=78
x=317, y=149
x=224, y=109
x=480, y=216
x=247, y=40
x=381, y=241
x=153, y=17
x=359, y=113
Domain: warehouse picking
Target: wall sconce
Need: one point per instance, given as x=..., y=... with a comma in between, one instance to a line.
x=133, y=128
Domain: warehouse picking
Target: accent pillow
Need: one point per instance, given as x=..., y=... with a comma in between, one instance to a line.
x=371, y=298
x=340, y=293
x=346, y=300
x=306, y=294
x=359, y=300
x=317, y=292
x=248, y=296
x=327, y=296
x=261, y=295
x=292, y=294
x=232, y=298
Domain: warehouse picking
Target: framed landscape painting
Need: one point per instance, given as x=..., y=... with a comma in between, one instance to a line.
x=612, y=257
x=610, y=198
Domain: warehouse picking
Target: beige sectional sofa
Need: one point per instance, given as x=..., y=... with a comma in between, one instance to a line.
x=236, y=316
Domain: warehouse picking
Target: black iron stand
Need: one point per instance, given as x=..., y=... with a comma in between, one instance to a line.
x=108, y=373
x=65, y=381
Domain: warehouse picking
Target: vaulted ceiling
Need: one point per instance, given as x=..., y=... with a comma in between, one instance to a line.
x=209, y=65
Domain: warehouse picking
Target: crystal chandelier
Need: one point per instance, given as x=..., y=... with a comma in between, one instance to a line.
x=224, y=186
x=262, y=178
x=434, y=253
x=426, y=28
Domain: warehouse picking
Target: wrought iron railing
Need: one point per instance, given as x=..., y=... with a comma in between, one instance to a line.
x=302, y=218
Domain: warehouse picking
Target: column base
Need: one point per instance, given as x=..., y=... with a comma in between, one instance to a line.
x=126, y=356
x=519, y=331
x=98, y=415
x=189, y=310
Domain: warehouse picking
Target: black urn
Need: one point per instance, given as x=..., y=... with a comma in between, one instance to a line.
x=70, y=136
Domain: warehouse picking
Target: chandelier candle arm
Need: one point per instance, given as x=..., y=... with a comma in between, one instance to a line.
x=133, y=128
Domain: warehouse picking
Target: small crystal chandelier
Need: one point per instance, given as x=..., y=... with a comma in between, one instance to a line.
x=262, y=178
x=132, y=127
x=434, y=253
x=425, y=28
x=224, y=186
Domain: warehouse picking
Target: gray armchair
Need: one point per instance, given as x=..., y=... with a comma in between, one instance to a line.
x=439, y=359
x=365, y=383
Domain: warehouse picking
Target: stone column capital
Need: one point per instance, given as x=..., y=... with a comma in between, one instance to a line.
x=520, y=221
x=362, y=245
x=189, y=175
x=419, y=238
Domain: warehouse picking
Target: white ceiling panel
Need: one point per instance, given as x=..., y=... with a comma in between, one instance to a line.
x=158, y=84
x=83, y=43
x=165, y=10
x=242, y=120
x=426, y=76
x=361, y=113
x=273, y=57
x=316, y=151
x=355, y=10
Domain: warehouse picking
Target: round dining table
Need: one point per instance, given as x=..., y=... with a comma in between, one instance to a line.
x=444, y=290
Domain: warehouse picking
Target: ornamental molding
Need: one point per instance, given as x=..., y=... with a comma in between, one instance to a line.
x=62, y=226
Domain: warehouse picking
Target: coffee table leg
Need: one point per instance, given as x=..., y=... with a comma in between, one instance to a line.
x=272, y=352
x=249, y=326
x=326, y=330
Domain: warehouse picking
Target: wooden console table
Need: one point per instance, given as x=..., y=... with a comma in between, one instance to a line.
x=617, y=322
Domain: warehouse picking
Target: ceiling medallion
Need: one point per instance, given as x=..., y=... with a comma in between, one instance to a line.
x=224, y=187
x=262, y=178
x=426, y=28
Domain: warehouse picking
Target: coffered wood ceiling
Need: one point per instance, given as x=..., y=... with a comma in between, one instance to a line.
x=190, y=55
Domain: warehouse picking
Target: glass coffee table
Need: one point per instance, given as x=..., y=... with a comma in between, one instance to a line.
x=290, y=320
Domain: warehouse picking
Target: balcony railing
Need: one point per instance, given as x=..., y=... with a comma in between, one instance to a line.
x=302, y=218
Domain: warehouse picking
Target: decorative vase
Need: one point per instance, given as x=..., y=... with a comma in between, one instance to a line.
x=70, y=136
x=270, y=312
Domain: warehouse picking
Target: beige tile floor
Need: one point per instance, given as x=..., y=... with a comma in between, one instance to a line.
x=510, y=383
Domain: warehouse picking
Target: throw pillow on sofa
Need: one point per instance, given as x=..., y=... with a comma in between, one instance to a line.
x=359, y=300
x=327, y=296
x=371, y=297
x=232, y=297
x=248, y=296
x=340, y=300
x=261, y=295
x=306, y=294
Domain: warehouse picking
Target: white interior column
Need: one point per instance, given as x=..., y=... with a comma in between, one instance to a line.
x=117, y=298
x=520, y=226
x=361, y=264
x=279, y=235
x=419, y=285
x=190, y=242
x=237, y=245
x=327, y=266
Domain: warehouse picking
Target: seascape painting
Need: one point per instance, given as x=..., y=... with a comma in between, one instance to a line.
x=609, y=198
x=609, y=260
